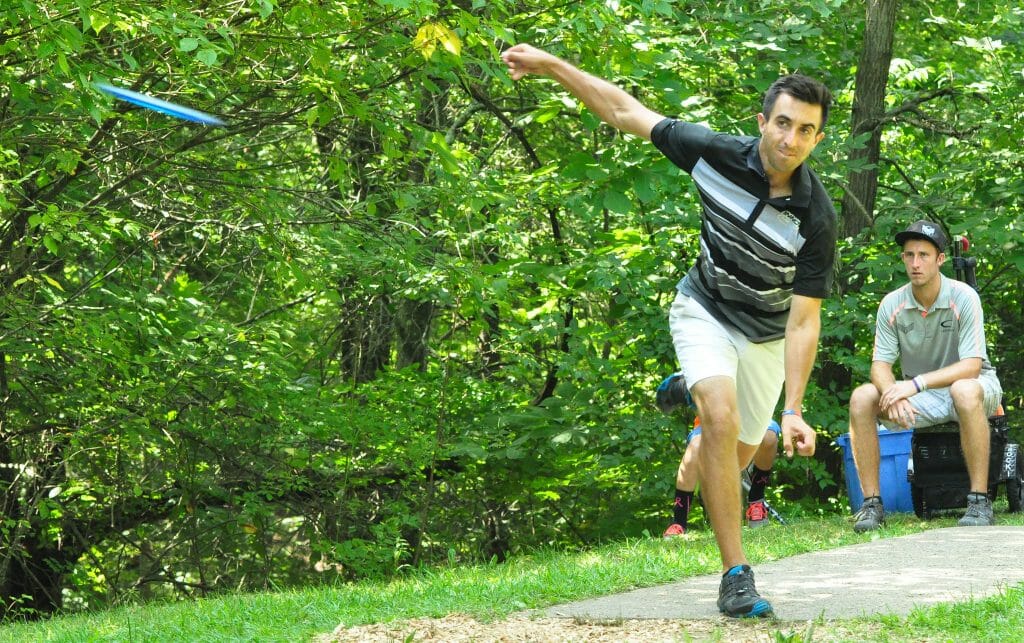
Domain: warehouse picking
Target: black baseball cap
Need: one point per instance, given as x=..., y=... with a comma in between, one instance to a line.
x=924, y=230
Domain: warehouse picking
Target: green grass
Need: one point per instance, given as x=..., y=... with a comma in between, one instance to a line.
x=538, y=580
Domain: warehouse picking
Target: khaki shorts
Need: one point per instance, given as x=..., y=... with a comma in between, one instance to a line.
x=707, y=348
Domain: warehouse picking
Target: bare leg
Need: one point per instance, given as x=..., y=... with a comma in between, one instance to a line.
x=764, y=460
x=864, y=437
x=968, y=398
x=764, y=457
x=745, y=453
x=689, y=466
x=719, y=414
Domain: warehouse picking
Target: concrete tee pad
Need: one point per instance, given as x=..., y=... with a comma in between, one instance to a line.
x=884, y=576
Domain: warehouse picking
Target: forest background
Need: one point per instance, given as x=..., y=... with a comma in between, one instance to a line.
x=401, y=310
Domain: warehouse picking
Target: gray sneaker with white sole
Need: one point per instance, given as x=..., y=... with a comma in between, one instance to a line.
x=871, y=515
x=979, y=511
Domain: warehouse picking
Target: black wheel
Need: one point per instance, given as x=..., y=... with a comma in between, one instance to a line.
x=1015, y=488
x=917, y=497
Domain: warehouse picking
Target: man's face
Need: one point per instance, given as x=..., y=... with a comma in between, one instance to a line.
x=789, y=134
x=922, y=261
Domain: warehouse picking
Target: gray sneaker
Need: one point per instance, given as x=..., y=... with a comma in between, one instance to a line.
x=979, y=511
x=871, y=515
x=737, y=596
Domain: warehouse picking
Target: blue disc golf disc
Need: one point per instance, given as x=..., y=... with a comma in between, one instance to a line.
x=162, y=106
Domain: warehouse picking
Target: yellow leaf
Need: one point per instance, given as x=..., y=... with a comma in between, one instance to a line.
x=424, y=40
x=432, y=34
x=450, y=40
x=53, y=282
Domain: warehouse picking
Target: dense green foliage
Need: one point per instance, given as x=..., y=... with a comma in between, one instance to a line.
x=401, y=309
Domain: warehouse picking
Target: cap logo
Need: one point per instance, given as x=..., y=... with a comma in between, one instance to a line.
x=928, y=230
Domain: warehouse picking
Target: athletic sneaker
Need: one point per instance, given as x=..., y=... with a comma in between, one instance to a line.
x=757, y=514
x=675, y=529
x=738, y=597
x=871, y=515
x=979, y=511
x=672, y=393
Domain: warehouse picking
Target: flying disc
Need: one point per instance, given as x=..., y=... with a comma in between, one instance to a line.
x=162, y=106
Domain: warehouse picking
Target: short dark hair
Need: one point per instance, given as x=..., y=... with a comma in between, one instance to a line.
x=800, y=87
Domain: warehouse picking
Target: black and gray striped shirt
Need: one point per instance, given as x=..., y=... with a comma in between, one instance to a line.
x=755, y=251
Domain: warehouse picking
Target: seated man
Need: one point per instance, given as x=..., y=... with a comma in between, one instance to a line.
x=672, y=393
x=934, y=326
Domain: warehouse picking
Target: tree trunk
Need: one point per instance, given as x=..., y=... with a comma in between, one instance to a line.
x=858, y=204
x=412, y=324
x=868, y=107
x=34, y=581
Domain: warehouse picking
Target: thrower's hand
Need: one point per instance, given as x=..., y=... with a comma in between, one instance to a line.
x=524, y=59
x=798, y=435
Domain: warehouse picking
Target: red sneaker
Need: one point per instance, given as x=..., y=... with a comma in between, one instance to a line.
x=675, y=529
x=757, y=514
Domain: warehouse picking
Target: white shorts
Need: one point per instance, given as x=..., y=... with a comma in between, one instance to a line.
x=707, y=348
x=935, y=406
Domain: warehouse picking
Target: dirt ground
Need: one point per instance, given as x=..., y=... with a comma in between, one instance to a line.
x=462, y=629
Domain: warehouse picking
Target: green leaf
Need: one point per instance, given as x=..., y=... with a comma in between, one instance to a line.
x=546, y=113
x=444, y=153
x=617, y=202
x=97, y=21
x=562, y=438
x=207, y=56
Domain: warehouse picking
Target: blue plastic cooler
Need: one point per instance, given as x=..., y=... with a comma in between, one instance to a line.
x=894, y=451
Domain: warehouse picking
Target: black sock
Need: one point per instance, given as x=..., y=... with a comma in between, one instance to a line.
x=681, y=510
x=758, y=481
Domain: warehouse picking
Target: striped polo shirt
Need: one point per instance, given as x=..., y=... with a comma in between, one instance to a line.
x=925, y=340
x=755, y=252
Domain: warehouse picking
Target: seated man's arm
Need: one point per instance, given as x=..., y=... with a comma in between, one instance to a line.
x=966, y=369
x=894, y=403
x=881, y=376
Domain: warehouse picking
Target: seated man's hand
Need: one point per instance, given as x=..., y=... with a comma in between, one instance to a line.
x=902, y=413
x=798, y=435
x=896, y=393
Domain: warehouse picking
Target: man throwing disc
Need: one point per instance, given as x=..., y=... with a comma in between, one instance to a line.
x=746, y=317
